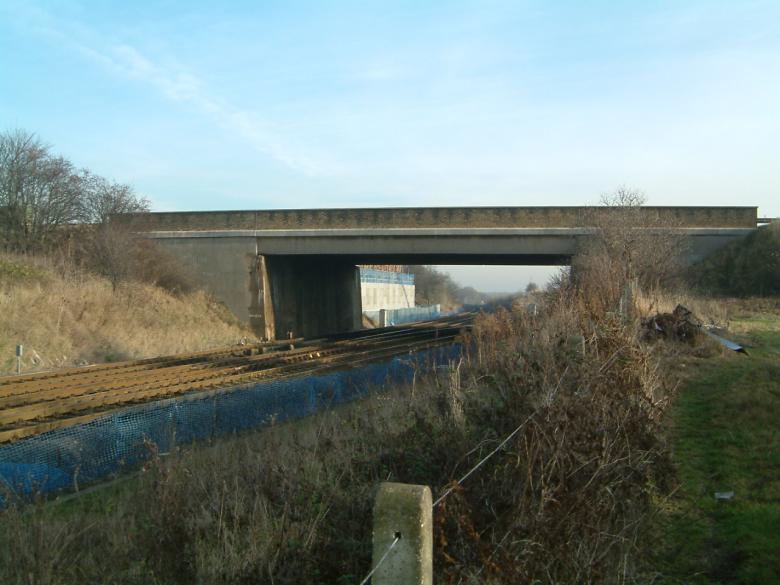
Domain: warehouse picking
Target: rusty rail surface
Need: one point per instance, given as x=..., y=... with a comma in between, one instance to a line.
x=36, y=403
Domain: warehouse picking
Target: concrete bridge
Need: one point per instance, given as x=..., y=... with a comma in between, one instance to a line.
x=295, y=270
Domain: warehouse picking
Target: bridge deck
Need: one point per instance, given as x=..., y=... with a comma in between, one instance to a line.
x=436, y=217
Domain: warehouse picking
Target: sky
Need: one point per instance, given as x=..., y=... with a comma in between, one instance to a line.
x=255, y=105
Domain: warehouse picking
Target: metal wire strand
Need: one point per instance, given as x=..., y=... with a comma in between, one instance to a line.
x=382, y=560
x=441, y=498
x=490, y=557
x=494, y=451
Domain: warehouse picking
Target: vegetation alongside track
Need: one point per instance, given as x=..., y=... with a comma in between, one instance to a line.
x=575, y=490
x=293, y=504
x=574, y=497
x=66, y=316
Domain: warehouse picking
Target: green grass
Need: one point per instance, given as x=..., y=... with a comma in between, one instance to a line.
x=13, y=271
x=726, y=437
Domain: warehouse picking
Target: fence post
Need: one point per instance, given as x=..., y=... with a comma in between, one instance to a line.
x=626, y=306
x=403, y=512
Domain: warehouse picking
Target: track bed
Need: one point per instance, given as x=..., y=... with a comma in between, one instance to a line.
x=40, y=402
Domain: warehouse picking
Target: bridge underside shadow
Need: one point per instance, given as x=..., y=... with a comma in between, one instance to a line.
x=304, y=295
x=310, y=296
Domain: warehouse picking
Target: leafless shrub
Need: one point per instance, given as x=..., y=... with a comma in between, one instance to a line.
x=110, y=252
x=116, y=252
x=567, y=502
x=629, y=245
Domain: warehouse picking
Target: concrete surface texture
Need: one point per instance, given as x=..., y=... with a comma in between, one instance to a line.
x=403, y=512
x=381, y=289
x=435, y=217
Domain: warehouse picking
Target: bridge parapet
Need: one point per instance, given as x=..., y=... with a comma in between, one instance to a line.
x=435, y=217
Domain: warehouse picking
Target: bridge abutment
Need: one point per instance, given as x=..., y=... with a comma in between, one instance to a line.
x=228, y=269
x=275, y=295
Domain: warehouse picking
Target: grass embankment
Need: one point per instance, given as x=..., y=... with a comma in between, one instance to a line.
x=726, y=437
x=65, y=316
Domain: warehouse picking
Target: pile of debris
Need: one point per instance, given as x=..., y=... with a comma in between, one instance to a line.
x=681, y=325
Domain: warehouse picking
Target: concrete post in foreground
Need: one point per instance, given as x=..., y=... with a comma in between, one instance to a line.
x=406, y=511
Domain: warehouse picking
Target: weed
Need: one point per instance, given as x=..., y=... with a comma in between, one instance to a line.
x=66, y=316
x=563, y=501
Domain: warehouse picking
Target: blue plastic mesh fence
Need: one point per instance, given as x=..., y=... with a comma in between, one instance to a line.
x=81, y=454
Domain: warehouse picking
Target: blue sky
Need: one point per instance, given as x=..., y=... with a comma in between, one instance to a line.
x=340, y=104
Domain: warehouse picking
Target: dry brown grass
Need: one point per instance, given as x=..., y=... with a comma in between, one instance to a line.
x=710, y=311
x=568, y=500
x=564, y=502
x=65, y=316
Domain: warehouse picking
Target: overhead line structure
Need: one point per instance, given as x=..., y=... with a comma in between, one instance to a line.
x=36, y=403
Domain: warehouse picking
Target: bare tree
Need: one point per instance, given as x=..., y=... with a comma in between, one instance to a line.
x=112, y=248
x=102, y=198
x=38, y=191
x=432, y=286
x=40, y=194
x=630, y=244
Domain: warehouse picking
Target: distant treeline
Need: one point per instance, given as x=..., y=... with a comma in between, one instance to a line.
x=434, y=287
x=749, y=267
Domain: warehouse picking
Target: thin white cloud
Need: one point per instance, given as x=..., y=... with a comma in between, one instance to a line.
x=175, y=82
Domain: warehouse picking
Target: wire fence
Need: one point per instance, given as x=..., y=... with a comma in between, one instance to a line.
x=463, y=478
x=449, y=490
x=381, y=560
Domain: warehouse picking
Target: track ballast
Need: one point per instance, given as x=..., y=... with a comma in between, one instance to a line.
x=36, y=403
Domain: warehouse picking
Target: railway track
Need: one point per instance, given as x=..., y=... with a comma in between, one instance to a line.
x=40, y=402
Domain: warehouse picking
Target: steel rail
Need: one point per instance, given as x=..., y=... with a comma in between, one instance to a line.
x=84, y=378
x=203, y=356
x=16, y=432
x=39, y=403
x=27, y=409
